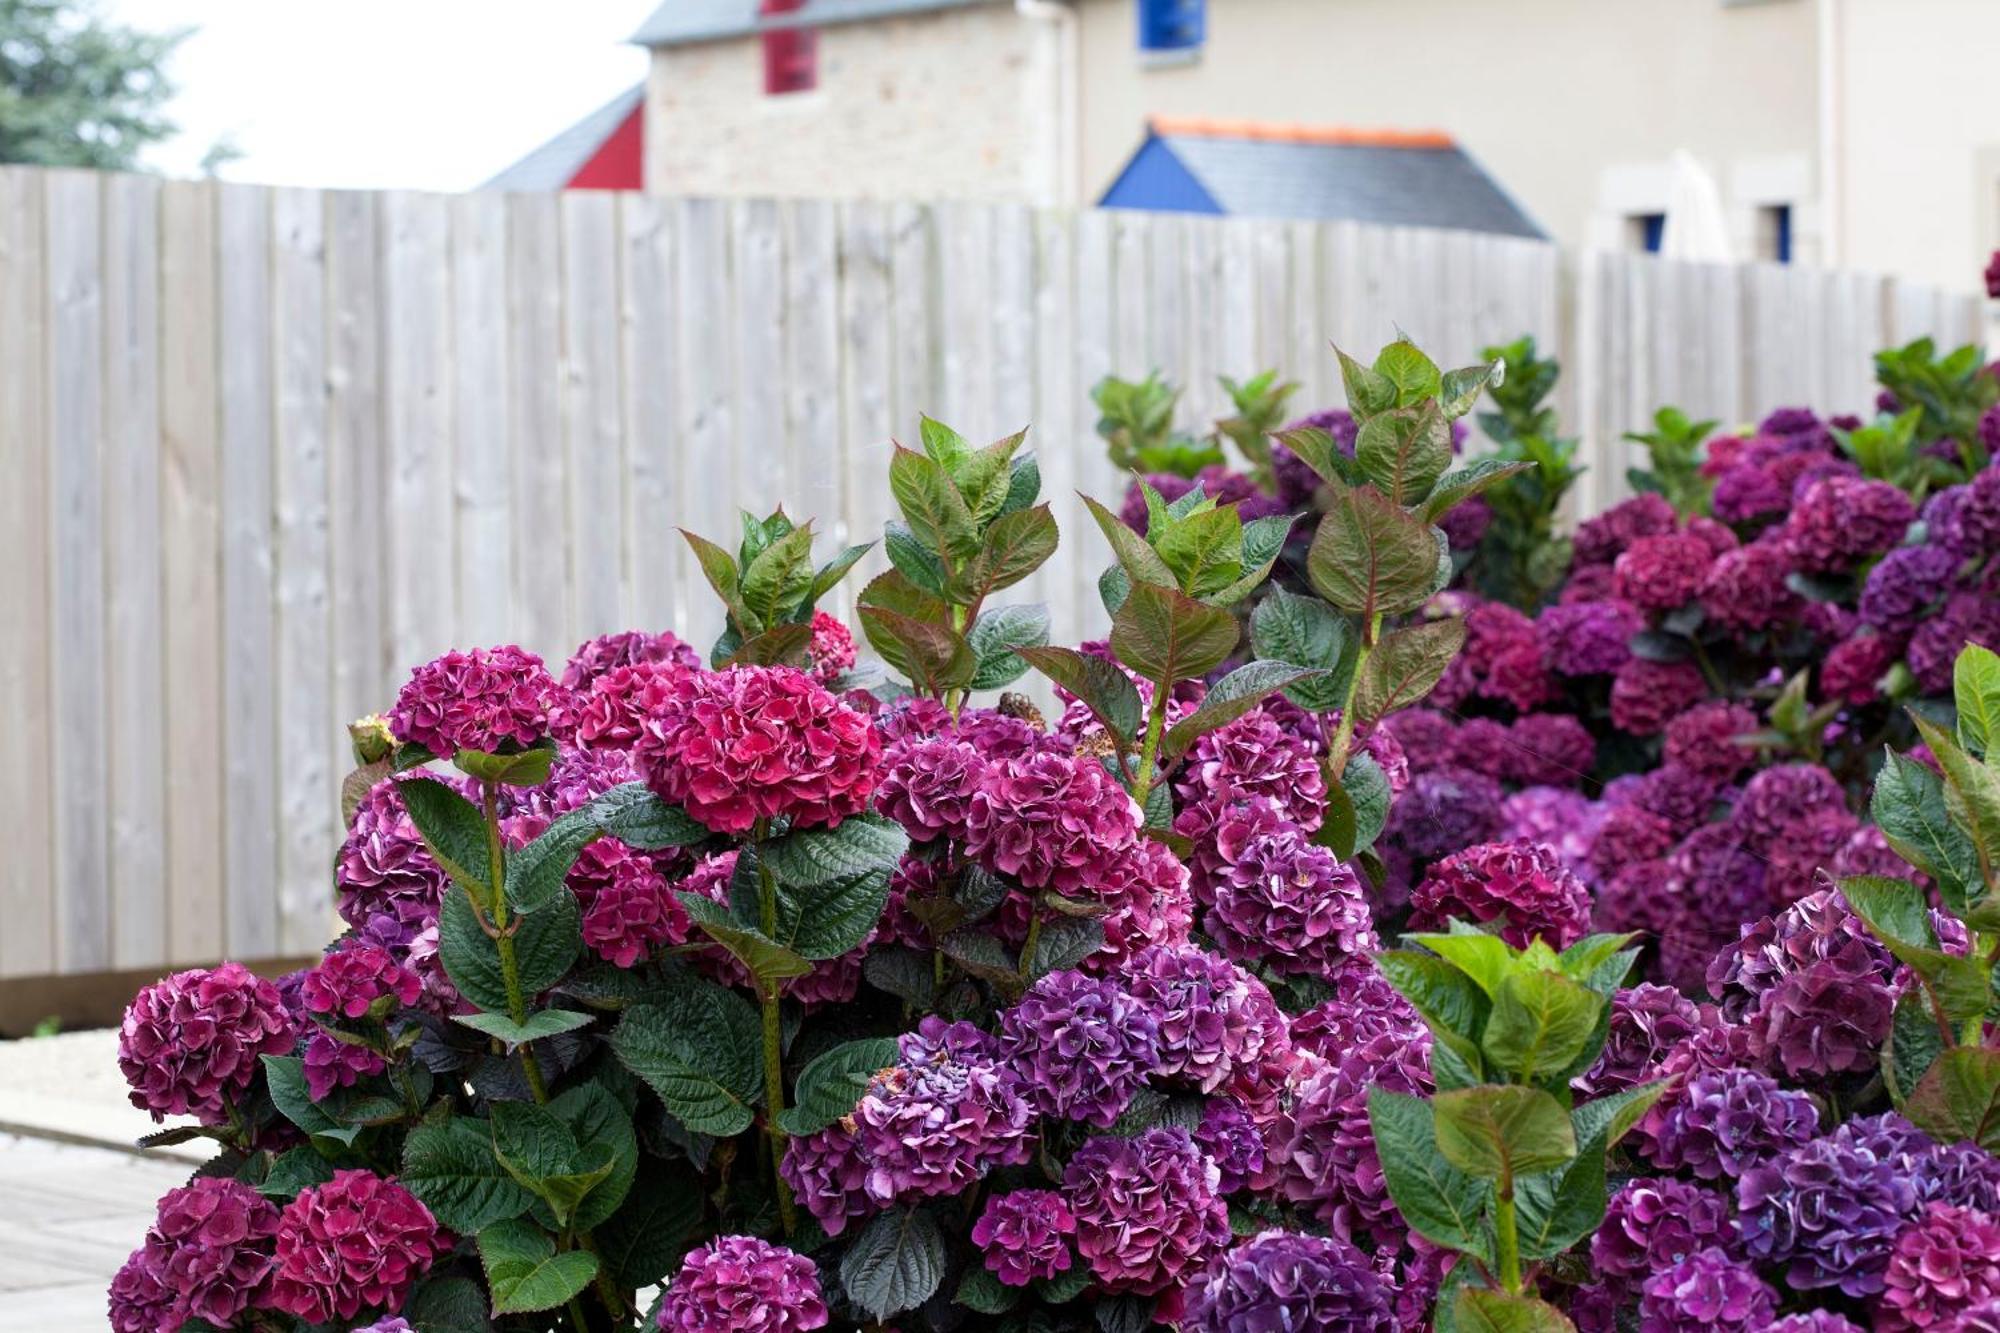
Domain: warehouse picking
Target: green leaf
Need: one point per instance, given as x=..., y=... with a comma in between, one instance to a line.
x=545, y=1156
x=931, y=505
x=1958, y=1100
x=834, y=570
x=941, y=442
x=1317, y=450
x=524, y=1270
x=768, y=961
x=1114, y=585
x=1364, y=787
x=780, y=645
x=984, y=477
x=294, y=1170
x=1205, y=552
x=1459, y=390
x=1975, y=681
x=1913, y=1046
x=818, y=920
x=1406, y=666
x=1498, y=1130
x=1139, y=561
x=983, y=1293
x=660, y=1219
x=1368, y=391
x=1014, y=547
x=935, y=658
x=1908, y=806
x=700, y=1049
x=1404, y=451
x=916, y=562
x=1304, y=631
x=1446, y=996
x=535, y=874
x=1971, y=795
x=1370, y=558
x=1230, y=698
x=1263, y=542
x=1899, y=914
x=542, y=1023
x=1561, y=1207
x=1166, y=636
x=833, y=1084
x=895, y=1264
x=859, y=844
x=452, y=1304
x=1064, y=943
x=1440, y=1202
x=1455, y=488
x=601, y=1124
x=779, y=579
x=451, y=1167
x=995, y=636
x=634, y=815
x=526, y=768
x=1024, y=484
x=545, y=943
x=1484, y=958
x=453, y=830
x=1414, y=375
x=1483, y=1310
x=719, y=568
x=1104, y=689
x=1612, y=1117
x=285, y=1076
x=1541, y=1023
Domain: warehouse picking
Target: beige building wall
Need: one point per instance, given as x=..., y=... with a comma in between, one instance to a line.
x=1916, y=134
x=1574, y=105
x=962, y=104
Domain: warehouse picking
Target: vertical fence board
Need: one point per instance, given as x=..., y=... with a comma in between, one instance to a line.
x=1061, y=419
x=534, y=422
x=866, y=350
x=357, y=487
x=706, y=431
x=483, y=495
x=309, y=750
x=811, y=382
x=651, y=342
x=27, y=903
x=912, y=242
x=416, y=280
x=758, y=463
x=133, y=590
x=593, y=436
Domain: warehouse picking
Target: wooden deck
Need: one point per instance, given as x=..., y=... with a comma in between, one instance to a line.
x=68, y=1218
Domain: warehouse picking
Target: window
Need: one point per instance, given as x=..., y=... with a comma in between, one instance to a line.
x=791, y=55
x=1774, y=233
x=1644, y=231
x=1172, y=26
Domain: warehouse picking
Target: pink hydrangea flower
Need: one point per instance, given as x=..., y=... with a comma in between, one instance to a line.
x=488, y=699
x=831, y=650
x=740, y=1284
x=190, y=1043
x=607, y=652
x=1025, y=1235
x=205, y=1257
x=610, y=712
x=1663, y=572
x=1524, y=887
x=348, y=982
x=1148, y=1218
x=358, y=1242
x=1049, y=820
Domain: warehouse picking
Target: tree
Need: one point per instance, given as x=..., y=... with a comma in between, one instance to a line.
x=76, y=91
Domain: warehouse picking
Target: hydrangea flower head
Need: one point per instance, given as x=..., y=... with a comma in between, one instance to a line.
x=1589, y=638
x=744, y=1285
x=384, y=866
x=1147, y=1214
x=1524, y=887
x=1548, y=749
x=1905, y=584
x=1025, y=1235
x=1213, y=1018
x=1148, y=900
x=487, y=699
x=1229, y=1136
x=1286, y=1280
x=927, y=785
x=631, y=647
x=1320, y=1150
x=1250, y=757
x=1828, y=1211
x=1840, y=521
x=1662, y=573
x=356, y=1243
x=1646, y=1022
x=1290, y=902
x=948, y=1113
x=190, y=1043
x=1601, y=540
x=1947, y=1261
x=1653, y=1222
x=206, y=1256
x=348, y=982
x=828, y=1174
x=634, y=911
x=1704, y=739
x=831, y=649
x=1725, y=1122
x=1049, y=820
x=1081, y=1045
x=1706, y=1292
x=1646, y=695
x=611, y=711
x=733, y=747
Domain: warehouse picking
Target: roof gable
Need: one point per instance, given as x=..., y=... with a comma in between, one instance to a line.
x=683, y=22
x=1156, y=179
x=555, y=164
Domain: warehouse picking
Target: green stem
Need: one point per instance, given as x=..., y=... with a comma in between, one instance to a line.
x=1507, y=1237
x=1149, y=753
x=1028, y=949
x=576, y=1315
x=774, y=1059
x=503, y=938
x=1343, y=736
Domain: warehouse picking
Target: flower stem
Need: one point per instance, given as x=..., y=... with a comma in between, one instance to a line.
x=1507, y=1237
x=1028, y=949
x=1149, y=753
x=774, y=1059
x=1343, y=736
x=503, y=938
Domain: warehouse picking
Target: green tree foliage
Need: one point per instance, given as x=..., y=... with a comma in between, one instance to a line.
x=76, y=91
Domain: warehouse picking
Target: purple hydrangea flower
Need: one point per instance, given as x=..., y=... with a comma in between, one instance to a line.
x=1601, y=540
x=1229, y=1135
x=1555, y=816
x=1706, y=1292
x=1147, y=1214
x=1947, y=1261
x=1840, y=521
x=1969, y=617
x=1250, y=757
x=206, y=1257
x=1282, y=1280
x=348, y=982
x=1777, y=800
x=1646, y=1022
x=191, y=1042
x=358, y=1242
x=1828, y=1211
x=331, y=1063
x=927, y=786
x=1025, y=1235
x=744, y=1285
x=384, y=866
x=1723, y=1123
x=1147, y=900
x=488, y=699
x=1904, y=585
x=949, y=1112
x=1291, y=904
x=1364, y=1006
x=1319, y=1149
x=1214, y=1019
x=1524, y=887
x=1081, y=1045
x=1482, y=745
x=828, y=1174
x=1704, y=739
x=1813, y=1321
x=1748, y=492
x=1816, y=928
x=1852, y=670
x=1662, y=573
x=1426, y=735
x=1714, y=882
x=1745, y=590
x=1646, y=695
x=1549, y=749
x=1653, y=1222
x=1445, y=810
x=1680, y=796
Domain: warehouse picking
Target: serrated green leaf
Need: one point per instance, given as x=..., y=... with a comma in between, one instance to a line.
x=936, y=513
x=1541, y=1023
x=536, y=872
x=1368, y=391
x=698, y=1048
x=1908, y=806
x=1166, y=636
x=453, y=830
x=545, y=943
x=895, y=1264
x=1405, y=666
x=1404, y=451
x=768, y=961
x=779, y=579
x=916, y=562
x=1441, y=1203
x=1370, y=558
x=1483, y=1310
x=1104, y=689
x=1015, y=546
x=1230, y=698
x=1141, y=563
x=1497, y=1130
x=1414, y=376
x=451, y=1167
x=661, y=1217
x=719, y=568
x=1958, y=1099
x=543, y=1023
x=1975, y=678
x=983, y=1293
x=524, y=1270
x=284, y=1076
x=632, y=813
x=833, y=1084
x=859, y=844
x=994, y=637
x=1456, y=487
x=1205, y=551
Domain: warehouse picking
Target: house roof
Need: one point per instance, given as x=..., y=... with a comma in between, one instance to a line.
x=553, y=165
x=1401, y=177
x=683, y=22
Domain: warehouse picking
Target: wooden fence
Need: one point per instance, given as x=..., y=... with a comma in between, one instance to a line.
x=265, y=450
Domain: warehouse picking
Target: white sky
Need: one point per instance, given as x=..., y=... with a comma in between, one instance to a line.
x=415, y=94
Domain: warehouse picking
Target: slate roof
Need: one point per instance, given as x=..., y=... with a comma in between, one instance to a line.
x=552, y=166
x=1418, y=178
x=682, y=22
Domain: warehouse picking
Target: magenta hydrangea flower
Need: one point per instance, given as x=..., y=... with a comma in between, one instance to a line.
x=1975, y=523
x=488, y=700
x=1840, y=521
x=1444, y=810
x=1662, y=573
x=1746, y=493
x=927, y=786
x=1682, y=797
x=329, y=1063
x=356, y=1243
x=1724, y=1122
x=1364, y=1006
x=1601, y=540
x=1548, y=749
x=1828, y=1017
x=1024, y=1235
x=633, y=910
x=349, y=982
x=1852, y=671
x=1564, y=819
x=1828, y=1211
x=733, y=747
x=1653, y=1222
x=1524, y=887
x=831, y=649
x=1291, y=904
x=1588, y=638
x=1776, y=801
x=1646, y=695
x=1286, y=1280
x=1049, y=820
x=1969, y=617
x=828, y=1174
x=1714, y=883
x=1147, y=900
x=1250, y=757
x=1214, y=1020
x=1945, y=1262
x=1704, y=739
x=1646, y=1022
x=1081, y=1046
x=1745, y=590
x=595, y=657
x=1816, y=928
x=743, y=1285
x=1815, y=1321
x=1147, y=1214
x=945, y=1115
x=1229, y=1136
x=1426, y=736
x=190, y=1043
x=206, y=1257
x=611, y=711
x=1319, y=1150
x=384, y=866
x=1706, y=1292
x=1482, y=745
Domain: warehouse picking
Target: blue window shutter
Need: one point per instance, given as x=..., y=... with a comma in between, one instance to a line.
x=1172, y=25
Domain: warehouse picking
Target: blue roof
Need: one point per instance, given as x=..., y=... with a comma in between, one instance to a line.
x=1328, y=176
x=682, y=22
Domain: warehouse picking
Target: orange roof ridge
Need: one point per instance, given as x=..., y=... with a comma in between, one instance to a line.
x=1289, y=132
